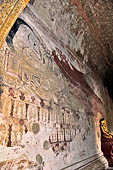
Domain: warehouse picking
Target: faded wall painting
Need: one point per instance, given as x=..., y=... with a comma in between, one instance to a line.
x=49, y=115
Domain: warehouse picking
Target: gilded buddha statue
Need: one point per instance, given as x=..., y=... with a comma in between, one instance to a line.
x=106, y=142
x=104, y=129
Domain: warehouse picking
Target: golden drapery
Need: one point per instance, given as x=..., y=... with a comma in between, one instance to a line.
x=9, y=12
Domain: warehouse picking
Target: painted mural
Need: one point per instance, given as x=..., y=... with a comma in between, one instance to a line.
x=48, y=110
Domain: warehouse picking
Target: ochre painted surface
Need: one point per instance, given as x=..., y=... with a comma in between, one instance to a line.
x=9, y=12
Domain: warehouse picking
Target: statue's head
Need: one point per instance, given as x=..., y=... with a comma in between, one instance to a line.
x=103, y=122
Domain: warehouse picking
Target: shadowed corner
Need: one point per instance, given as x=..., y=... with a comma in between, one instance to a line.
x=31, y=2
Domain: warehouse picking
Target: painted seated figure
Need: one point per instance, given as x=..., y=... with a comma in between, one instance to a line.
x=106, y=142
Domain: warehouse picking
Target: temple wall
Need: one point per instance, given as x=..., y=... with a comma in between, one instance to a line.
x=51, y=104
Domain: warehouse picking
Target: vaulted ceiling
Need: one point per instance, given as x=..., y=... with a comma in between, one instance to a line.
x=86, y=28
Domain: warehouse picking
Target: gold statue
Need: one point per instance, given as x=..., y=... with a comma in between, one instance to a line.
x=104, y=129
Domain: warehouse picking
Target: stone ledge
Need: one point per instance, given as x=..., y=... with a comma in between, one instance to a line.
x=97, y=161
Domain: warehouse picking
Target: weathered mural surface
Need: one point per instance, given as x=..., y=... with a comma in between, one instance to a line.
x=49, y=114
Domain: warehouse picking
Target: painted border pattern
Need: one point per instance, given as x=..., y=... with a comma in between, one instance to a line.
x=10, y=9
